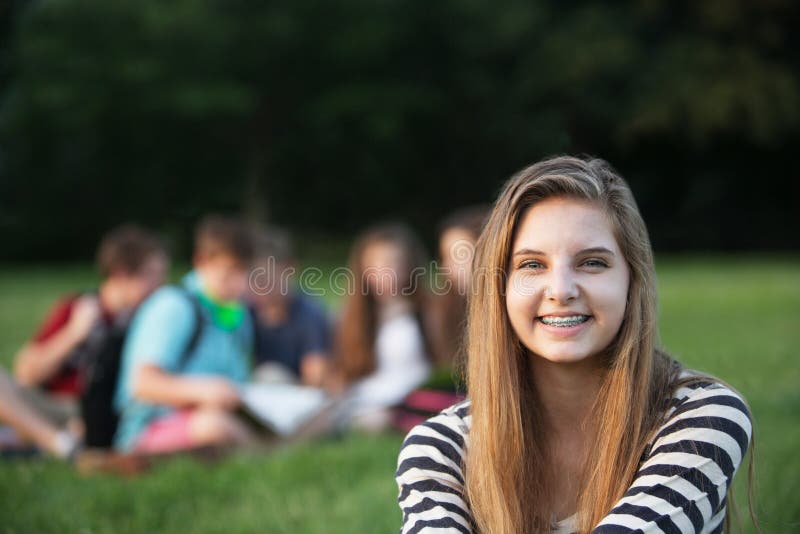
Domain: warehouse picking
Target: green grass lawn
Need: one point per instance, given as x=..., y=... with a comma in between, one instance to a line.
x=735, y=317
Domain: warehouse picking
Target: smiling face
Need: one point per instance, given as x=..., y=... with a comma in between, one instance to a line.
x=568, y=281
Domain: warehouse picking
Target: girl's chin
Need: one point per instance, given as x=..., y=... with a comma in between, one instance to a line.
x=563, y=356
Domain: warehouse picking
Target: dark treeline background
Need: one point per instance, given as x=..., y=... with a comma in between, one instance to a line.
x=326, y=115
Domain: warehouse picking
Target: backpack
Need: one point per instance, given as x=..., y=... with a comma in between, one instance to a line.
x=99, y=371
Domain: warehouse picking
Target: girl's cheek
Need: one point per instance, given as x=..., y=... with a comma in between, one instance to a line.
x=522, y=297
x=521, y=286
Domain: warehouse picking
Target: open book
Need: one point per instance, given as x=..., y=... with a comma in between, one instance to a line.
x=283, y=408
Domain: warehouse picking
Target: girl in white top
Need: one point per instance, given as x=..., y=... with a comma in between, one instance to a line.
x=381, y=346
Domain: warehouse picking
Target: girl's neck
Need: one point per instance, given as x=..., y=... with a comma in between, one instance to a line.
x=390, y=307
x=567, y=392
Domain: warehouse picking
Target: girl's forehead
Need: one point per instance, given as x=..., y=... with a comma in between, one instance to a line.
x=563, y=224
x=383, y=252
x=456, y=233
x=383, y=246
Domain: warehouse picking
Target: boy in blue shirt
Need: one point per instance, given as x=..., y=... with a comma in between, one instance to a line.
x=293, y=339
x=187, y=349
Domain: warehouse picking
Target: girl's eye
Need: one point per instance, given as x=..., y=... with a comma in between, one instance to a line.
x=595, y=263
x=531, y=264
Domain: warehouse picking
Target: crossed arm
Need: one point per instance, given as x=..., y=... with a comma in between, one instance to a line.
x=681, y=486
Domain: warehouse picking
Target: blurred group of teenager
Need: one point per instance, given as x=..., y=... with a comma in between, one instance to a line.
x=144, y=367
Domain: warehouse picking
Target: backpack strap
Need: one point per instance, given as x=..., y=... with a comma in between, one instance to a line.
x=199, y=323
x=255, y=335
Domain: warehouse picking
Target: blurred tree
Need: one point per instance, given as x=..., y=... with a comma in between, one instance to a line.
x=325, y=115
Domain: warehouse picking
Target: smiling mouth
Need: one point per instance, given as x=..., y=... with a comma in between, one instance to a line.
x=563, y=322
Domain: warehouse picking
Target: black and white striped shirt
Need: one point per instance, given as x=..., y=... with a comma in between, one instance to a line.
x=680, y=486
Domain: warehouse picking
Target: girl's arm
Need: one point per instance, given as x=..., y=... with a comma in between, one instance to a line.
x=429, y=474
x=680, y=487
x=683, y=482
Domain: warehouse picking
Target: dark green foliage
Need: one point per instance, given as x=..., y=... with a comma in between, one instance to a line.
x=328, y=115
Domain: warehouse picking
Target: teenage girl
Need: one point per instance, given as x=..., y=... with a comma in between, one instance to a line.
x=575, y=420
x=381, y=349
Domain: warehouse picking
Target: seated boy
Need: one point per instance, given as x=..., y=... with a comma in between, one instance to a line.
x=188, y=348
x=49, y=368
x=292, y=331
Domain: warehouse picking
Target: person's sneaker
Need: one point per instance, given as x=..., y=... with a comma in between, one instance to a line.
x=65, y=446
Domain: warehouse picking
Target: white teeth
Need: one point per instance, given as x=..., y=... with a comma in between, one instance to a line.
x=571, y=320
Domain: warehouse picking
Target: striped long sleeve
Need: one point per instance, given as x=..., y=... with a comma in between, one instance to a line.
x=430, y=475
x=682, y=483
x=680, y=486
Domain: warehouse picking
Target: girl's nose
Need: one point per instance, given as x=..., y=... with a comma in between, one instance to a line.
x=561, y=286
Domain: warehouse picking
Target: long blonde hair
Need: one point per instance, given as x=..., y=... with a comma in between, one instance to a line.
x=506, y=463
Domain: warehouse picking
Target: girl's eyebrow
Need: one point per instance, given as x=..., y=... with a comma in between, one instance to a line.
x=597, y=250
x=592, y=250
x=529, y=252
